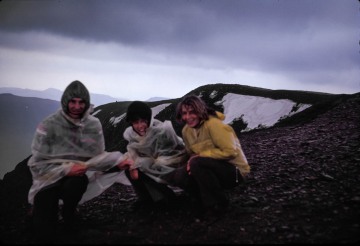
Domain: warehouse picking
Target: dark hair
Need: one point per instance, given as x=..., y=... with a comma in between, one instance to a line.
x=75, y=89
x=138, y=110
x=199, y=106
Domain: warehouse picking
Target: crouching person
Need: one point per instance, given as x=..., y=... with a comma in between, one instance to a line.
x=156, y=151
x=217, y=161
x=66, y=144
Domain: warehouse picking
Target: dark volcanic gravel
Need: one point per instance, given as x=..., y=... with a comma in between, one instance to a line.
x=303, y=188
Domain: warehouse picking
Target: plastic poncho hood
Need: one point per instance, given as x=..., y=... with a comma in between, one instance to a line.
x=75, y=89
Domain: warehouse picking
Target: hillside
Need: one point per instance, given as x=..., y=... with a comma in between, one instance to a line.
x=303, y=188
x=111, y=115
x=19, y=118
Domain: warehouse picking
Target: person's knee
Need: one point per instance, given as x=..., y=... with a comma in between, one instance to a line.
x=178, y=177
x=82, y=183
x=77, y=181
x=196, y=165
x=46, y=196
x=75, y=186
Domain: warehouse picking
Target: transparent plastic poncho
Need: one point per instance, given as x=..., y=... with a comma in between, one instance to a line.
x=59, y=142
x=157, y=153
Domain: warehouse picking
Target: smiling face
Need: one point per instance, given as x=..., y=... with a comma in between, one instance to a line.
x=140, y=126
x=189, y=116
x=76, y=107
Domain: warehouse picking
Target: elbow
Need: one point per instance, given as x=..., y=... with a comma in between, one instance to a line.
x=231, y=153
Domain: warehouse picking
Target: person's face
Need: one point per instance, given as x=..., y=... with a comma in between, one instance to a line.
x=140, y=126
x=76, y=108
x=189, y=116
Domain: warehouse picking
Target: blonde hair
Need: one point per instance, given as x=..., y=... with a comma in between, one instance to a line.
x=199, y=106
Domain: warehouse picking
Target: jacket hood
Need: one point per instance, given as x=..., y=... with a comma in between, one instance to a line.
x=75, y=89
x=220, y=115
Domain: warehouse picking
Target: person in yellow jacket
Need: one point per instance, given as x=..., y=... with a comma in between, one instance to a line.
x=217, y=161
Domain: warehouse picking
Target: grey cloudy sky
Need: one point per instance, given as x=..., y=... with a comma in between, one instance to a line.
x=137, y=49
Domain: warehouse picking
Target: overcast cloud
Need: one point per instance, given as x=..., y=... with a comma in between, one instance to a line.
x=140, y=49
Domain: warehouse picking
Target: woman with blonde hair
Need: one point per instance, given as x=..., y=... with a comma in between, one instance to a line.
x=217, y=161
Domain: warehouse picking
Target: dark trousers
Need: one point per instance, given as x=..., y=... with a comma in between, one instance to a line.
x=46, y=203
x=148, y=190
x=208, y=180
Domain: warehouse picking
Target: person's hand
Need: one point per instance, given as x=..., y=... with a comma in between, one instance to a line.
x=125, y=164
x=188, y=164
x=134, y=174
x=78, y=169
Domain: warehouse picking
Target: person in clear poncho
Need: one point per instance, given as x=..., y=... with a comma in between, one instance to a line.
x=156, y=151
x=66, y=145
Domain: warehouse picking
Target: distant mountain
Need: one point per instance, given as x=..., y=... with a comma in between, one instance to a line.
x=154, y=99
x=19, y=117
x=55, y=94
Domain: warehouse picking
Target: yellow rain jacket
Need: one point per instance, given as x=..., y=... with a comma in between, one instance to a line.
x=217, y=140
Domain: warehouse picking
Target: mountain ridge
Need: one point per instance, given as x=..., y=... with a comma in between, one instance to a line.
x=212, y=94
x=55, y=94
x=302, y=188
x=52, y=93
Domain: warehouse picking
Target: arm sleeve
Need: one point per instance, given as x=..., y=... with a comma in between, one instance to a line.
x=224, y=141
x=186, y=142
x=40, y=149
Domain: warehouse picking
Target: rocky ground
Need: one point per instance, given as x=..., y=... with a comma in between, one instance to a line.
x=303, y=188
